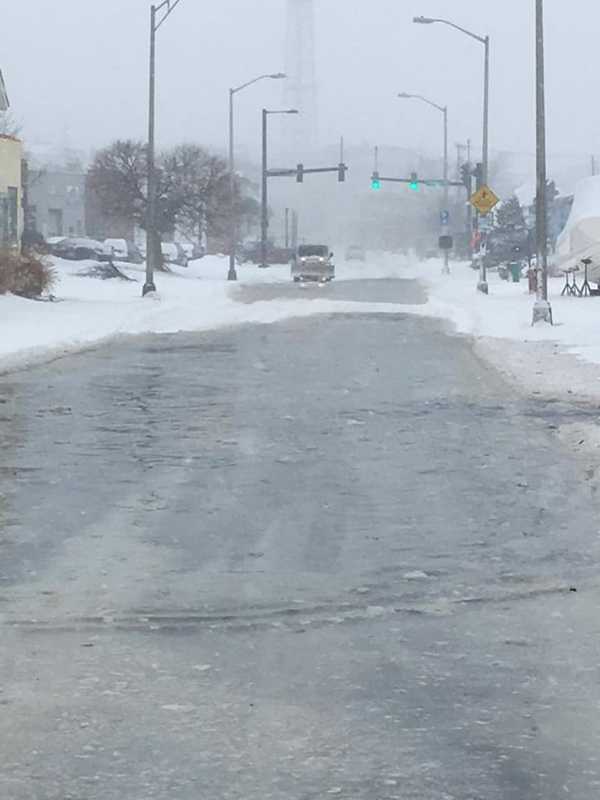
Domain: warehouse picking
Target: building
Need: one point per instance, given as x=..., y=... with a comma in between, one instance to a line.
x=11, y=192
x=101, y=225
x=56, y=200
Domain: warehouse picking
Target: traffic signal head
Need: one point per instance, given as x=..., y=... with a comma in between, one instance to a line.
x=375, y=182
x=300, y=173
x=342, y=172
x=414, y=182
x=466, y=175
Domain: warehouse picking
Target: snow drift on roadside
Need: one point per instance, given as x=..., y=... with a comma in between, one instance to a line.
x=88, y=310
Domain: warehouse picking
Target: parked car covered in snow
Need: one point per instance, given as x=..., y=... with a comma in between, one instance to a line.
x=193, y=250
x=173, y=253
x=53, y=243
x=356, y=252
x=124, y=250
x=81, y=249
x=252, y=252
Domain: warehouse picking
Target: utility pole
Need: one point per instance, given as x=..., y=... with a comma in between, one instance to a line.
x=542, y=310
x=152, y=238
x=483, y=282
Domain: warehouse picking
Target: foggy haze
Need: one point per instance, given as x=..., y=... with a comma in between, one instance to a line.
x=77, y=71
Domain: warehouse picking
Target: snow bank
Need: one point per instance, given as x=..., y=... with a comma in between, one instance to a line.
x=88, y=310
x=506, y=312
x=581, y=236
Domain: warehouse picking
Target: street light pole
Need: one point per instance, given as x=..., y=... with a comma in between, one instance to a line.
x=232, y=274
x=444, y=111
x=542, y=310
x=485, y=41
x=486, y=112
x=264, y=215
x=233, y=229
x=167, y=6
x=149, y=285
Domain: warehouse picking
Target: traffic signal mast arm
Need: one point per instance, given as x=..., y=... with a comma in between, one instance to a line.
x=301, y=171
x=411, y=181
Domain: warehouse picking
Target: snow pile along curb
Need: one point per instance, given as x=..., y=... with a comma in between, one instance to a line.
x=89, y=310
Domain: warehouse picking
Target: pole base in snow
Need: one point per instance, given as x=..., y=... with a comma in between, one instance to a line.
x=483, y=287
x=542, y=312
x=232, y=275
x=445, y=270
x=149, y=287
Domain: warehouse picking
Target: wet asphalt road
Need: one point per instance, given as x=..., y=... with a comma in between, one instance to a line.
x=329, y=557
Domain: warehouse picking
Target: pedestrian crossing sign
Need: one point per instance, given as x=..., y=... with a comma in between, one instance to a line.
x=484, y=200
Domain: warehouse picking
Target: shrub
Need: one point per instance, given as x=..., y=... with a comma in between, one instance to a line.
x=26, y=275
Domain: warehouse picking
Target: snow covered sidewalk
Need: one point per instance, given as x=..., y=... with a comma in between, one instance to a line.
x=562, y=360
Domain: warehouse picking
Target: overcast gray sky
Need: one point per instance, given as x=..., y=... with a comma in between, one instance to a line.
x=81, y=66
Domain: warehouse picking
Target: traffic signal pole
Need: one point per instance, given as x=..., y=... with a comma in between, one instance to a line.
x=264, y=211
x=446, y=269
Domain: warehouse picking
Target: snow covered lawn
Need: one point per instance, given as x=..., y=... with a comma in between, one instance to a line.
x=88, y=310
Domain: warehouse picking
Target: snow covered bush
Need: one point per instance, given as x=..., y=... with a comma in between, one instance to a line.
x=26, y=275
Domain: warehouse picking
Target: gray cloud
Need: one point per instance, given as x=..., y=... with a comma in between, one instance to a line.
x=80, y=67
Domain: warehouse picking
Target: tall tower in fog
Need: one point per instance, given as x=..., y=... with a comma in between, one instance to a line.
x=301, y=85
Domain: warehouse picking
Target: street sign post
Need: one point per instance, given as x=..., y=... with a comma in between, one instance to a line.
x=484, y=200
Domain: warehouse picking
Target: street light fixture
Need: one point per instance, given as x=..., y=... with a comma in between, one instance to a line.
x=264, y=218
x=485, y=41
x=232, y=274
x=444, y=111
x=158, y=15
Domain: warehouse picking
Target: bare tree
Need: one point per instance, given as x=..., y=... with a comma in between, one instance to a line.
x=192, y=188
x=118, y=178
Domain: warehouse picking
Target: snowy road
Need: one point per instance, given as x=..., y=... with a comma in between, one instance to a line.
x=328, y=557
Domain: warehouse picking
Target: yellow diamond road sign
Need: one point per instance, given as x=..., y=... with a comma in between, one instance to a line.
x=484, y=200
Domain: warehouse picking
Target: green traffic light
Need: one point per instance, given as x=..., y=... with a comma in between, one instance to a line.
x=375, y=185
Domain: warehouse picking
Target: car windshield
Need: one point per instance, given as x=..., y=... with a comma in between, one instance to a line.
x=306, y=251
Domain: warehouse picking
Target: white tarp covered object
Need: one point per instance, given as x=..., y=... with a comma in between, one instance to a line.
x=581, y=236
x=4, y=102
